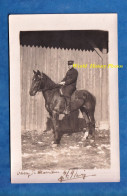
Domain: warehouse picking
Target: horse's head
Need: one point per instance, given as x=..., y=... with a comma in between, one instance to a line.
x=37, y=84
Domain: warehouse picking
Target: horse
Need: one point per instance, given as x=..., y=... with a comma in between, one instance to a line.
x=55, y=103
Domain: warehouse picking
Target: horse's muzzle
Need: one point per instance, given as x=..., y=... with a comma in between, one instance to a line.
x=32, y=93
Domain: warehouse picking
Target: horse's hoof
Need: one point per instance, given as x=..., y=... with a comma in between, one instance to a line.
x=91, y=141
x=85, y=136
x=94, y=145
x=90, y=137
x=54, y=145
x=83, y=139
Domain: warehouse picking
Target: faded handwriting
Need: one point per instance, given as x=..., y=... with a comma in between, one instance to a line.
x=72, y=174
x=69, y=174
x=30, y=173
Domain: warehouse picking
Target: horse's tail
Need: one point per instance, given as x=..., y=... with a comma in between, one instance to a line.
x=87, y=96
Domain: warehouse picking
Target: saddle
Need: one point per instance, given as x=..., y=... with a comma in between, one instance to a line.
x=78, y=94
x=61, y=93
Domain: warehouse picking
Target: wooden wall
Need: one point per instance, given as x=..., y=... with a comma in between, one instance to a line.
x=53, y=62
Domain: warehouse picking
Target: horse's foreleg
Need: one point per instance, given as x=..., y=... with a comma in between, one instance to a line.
x=56, y=128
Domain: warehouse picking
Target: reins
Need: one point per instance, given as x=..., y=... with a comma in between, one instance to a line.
x=51, y=88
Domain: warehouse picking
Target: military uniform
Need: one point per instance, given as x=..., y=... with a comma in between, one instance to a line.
x=70, y=82
x=70, y=85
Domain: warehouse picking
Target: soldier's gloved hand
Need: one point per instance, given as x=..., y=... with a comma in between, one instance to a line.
x=62, y=83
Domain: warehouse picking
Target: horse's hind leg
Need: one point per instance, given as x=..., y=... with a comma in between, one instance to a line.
x=87, y=121
x=92, y=124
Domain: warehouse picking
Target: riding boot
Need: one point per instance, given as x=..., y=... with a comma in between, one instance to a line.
x=68, y=105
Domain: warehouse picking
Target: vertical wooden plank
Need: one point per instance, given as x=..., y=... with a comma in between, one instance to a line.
x=64, y=64
x=51, y=62
x=87, y=58
x=101, y=78
x=25, y=85
x=38, y=66
x=94, y=71
x=30, y=68
x=104, y=90
x=90, y=72
x=27, y=88
x=21, y=87
x=107, y=88
x=85, y=70
x=42, y=101
x=80, y=70
x=44, y=51
x=54, y=62
x=30, y=78
x=76, y=60
x=41, y=104
x=38, y=105
x=32, y=98
x=47, y=72
x=35, y=97
x=23, y=102
x=59, y=64
x=97, y=88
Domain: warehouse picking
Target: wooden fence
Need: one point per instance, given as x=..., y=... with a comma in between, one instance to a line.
x=53, y=62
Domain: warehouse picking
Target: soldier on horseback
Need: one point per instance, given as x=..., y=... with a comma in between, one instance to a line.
x=55, y=103
x=69, y=85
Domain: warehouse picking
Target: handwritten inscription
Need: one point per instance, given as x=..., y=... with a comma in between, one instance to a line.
x=30, y=173
x=72, y=174
x=67, y=175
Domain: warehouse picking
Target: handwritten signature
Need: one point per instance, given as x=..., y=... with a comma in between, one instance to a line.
x=72, y=174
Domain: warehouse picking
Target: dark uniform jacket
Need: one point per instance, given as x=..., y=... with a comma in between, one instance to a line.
x=70, y=82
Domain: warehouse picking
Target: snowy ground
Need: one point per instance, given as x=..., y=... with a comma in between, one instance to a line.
x=38, y=153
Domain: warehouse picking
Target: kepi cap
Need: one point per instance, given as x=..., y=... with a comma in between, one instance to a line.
x=70, y=62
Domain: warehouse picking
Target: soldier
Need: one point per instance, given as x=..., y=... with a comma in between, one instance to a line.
x=69, y=84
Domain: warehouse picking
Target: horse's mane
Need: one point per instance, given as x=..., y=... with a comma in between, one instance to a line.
x=49, y=83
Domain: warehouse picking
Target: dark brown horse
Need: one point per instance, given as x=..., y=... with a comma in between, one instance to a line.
x=55, y=103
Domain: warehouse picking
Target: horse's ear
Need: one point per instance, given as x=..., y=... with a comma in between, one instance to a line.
x=38, y=72
x=34, y=72
x=40, y=75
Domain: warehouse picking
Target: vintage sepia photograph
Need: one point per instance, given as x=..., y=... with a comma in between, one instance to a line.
x=62, y=101
x=64, y=98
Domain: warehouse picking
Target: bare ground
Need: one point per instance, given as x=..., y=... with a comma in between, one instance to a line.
x=38, y=153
